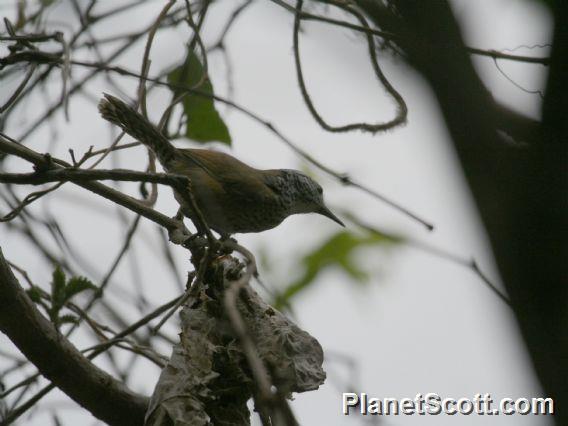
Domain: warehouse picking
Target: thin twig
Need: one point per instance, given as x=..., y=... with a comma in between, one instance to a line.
x=146, y=57
x=402, y=110
x=192, y=291
x=391, y=36
x=470, y=264
x=19, y=89
x=9, y=146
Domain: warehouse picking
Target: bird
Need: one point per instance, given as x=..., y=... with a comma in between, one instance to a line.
x=233, y=197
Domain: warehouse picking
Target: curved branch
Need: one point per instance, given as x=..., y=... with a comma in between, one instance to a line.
x=519, y=127
x=402, y=110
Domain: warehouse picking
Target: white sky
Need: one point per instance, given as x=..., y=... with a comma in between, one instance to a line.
x=421, y=324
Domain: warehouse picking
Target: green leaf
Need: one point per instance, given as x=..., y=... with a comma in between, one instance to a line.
x=204, y=123
x=58, y=288
x=67, y=319
x=77, y=285
x=35, y=294
x=62, y=291
x=336, y=251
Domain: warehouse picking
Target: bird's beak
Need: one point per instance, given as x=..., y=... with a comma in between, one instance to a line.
x=327, y=212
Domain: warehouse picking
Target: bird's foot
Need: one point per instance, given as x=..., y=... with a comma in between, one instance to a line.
x=227, y=244
x=179, y=235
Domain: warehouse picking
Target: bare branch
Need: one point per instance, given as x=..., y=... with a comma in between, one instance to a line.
x=387, y=35
x=402, y=110
x=10, y=147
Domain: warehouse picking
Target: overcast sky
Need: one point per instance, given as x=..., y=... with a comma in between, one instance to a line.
x=421, y=324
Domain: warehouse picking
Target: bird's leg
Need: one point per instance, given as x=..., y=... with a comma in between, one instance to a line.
x=200, y=232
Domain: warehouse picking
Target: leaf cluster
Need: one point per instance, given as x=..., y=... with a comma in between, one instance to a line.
x=62, y=291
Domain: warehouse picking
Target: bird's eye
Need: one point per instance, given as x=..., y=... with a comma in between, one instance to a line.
x=320, y=190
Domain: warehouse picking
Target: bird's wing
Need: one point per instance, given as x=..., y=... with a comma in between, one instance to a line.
x=236, y=177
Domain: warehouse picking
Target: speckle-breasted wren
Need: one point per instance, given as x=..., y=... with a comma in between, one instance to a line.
x=233, y=197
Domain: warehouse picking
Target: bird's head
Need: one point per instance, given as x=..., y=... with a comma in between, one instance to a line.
x=302, y=194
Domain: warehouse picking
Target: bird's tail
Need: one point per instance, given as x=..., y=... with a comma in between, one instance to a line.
x=133, y=123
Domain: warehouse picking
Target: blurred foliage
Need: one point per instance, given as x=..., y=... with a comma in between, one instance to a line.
x=337, y=251
x=203, y=122
x=62, y=291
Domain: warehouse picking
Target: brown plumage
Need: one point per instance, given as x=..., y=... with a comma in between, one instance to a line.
x=233, y=197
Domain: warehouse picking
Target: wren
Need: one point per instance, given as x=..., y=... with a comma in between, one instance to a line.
x=232, y=196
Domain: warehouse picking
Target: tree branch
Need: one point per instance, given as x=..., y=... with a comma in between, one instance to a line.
x=11, y=147
x=402, y=110
x=495, y=54
x=59, y=361
x=83, y=175
x=518, y=126
x=521, y=194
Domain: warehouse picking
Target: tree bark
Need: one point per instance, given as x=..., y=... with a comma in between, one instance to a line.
x=521, y=193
